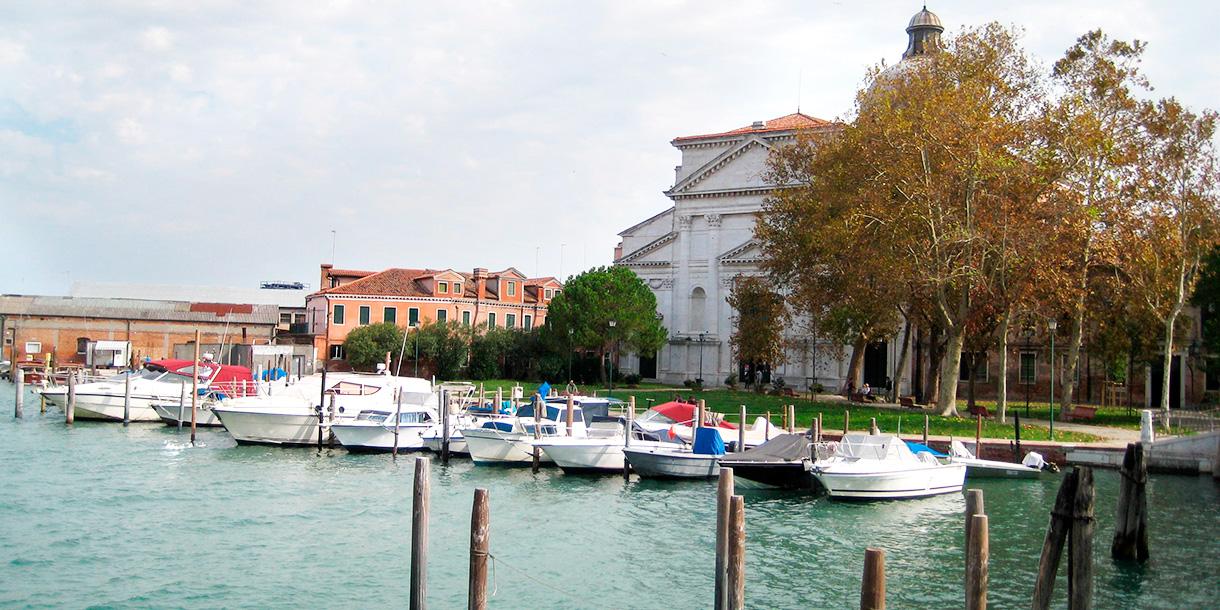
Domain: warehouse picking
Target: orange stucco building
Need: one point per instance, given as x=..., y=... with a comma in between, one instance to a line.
x=410, y=297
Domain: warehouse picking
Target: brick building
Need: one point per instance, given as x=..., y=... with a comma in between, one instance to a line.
x=410, y=297
x=114, y=332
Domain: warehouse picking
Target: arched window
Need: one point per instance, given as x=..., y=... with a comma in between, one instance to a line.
x=698, y=305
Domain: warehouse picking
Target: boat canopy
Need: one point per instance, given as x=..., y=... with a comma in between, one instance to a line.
x=785, y=447
x=922, y=448
x=215, y=373
x=682, y=413
x=873, y=447
x=708, y=442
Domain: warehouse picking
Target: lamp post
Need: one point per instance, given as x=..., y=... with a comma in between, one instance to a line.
x=417, y=352
x=1028, y=333
x=571, y=331
x=700, y=379
x=610, y=361
x=1051, y=325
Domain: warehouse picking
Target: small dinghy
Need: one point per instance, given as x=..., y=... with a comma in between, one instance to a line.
x=780, y=463
x=1029, y=468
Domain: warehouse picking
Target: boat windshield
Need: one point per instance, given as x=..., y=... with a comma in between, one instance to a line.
x=150, y=375
x=652, y=416
x=351, y=388
x=373, y=416
x=414, y=417
x=544, y=430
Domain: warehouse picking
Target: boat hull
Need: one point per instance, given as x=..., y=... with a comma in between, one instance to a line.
x=991, y=469
x=672, y=465
x=893, y=484
x=457, y=444
x=169, y=415
x=574, y=455
x=771, y=475
x=360, y=438
x=494, y=447
x=108, y=407
x=262, y=428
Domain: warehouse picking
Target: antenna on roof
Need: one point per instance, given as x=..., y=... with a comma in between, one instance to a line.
x=800, y=77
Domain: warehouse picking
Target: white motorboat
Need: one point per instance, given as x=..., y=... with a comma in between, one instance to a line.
x=298, y=414
x=701, y=461
x=882, y=467
x=977, y=468
x=510, y=440
x=600, y=450
x=203, y=413
x=160, y=381
x=374, y=430
x=674, y=420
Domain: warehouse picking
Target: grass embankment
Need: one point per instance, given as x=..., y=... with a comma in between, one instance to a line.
x=888, y=419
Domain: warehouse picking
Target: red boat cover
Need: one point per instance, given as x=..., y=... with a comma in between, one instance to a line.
x=684, y=413
x=228, y=372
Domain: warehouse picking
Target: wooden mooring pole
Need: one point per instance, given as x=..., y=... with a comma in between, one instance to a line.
x=480, y=547
x=70, y=408
x=397, y=419
x=974, y=506
x=420, y=502
x=741, y=430
x=537, y=457
x=445, y=432
x=978, y=436
x=846, y=420
x=872, y=587
x=1016, y=429
x=872, y=426
x=724, y=495
x=978, y=553
x=627, y=428
x=1131, y=521
x=195, y=390
x=127, y=397
x=1080, y=542
x=819, y=430
x=181, y=403
x=321, y=404
x=1052, y=546
x=925, y=429
x=19, y=386
x=736, y=569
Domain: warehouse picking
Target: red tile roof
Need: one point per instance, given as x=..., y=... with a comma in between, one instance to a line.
x=407, y=283
x=351, y=272
x=790, y=122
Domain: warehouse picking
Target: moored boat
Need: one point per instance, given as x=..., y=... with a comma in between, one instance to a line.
x=601, y=450
x=701, y=461
x=977, y=468
x=780, y=463
x=159, y=381
x=882, y=467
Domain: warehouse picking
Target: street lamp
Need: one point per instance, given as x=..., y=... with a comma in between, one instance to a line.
x=1028, y=333
x=1051, y=325
x=571, y=331
x=610, y=361
x=700, y=379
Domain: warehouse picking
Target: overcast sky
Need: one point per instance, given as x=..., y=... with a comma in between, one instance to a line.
x=220, y=143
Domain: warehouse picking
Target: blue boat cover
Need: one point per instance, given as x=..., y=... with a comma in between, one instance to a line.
x=544, y=390
x=708, y=442
x=922, y=448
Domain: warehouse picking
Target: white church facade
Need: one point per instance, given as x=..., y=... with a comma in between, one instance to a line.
x=690, y=254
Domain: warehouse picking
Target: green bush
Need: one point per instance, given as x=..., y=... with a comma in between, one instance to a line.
x=367, y=345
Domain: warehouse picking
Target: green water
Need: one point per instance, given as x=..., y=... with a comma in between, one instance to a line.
x=106, y=516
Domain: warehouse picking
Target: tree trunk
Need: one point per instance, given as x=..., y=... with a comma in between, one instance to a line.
x=902, y=358
x=950, y=368
x=1073, y=361
x=1001, y=380
x=855, y=368
x=936, y=354
x=1167, y=359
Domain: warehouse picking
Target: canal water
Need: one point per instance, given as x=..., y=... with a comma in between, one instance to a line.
x=105, y=516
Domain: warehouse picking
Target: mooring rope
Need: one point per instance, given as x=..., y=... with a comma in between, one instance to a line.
x=584, y=602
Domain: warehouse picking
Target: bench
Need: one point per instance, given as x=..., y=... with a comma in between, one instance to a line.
x=908, y=401
x=977, y=410
x=1080, y=412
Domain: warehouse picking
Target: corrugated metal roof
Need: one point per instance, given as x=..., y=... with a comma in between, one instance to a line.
x=132, y=309
x=210, y=294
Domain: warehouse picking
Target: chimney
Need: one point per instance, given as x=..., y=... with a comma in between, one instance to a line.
x=758, y=125
x=480, y=283
x=324, y=282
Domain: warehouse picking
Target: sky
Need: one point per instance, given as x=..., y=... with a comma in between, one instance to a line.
x=224, y=143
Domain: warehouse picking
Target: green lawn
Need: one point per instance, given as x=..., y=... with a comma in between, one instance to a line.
x=729, y=401
x=1114, y=417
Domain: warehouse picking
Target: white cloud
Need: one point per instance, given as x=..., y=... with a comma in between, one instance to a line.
x=533, y=120
x=157, y=38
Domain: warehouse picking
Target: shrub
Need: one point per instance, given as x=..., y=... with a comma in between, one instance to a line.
x=632, y=379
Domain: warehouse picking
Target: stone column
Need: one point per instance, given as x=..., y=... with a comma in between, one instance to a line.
x=716, y=326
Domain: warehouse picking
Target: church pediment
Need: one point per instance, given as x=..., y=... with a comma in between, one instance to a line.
x=656, y=253
x=748, y=253
x=738, y=168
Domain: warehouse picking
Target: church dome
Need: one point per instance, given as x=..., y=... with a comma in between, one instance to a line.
x=925, y=18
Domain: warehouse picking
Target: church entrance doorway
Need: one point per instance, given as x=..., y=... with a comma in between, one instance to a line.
x=876, y=365
x=648, y=366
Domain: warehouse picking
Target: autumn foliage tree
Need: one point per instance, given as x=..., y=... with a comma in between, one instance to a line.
x=759, y=319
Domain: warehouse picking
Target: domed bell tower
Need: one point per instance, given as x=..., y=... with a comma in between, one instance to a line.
x=923, y=33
